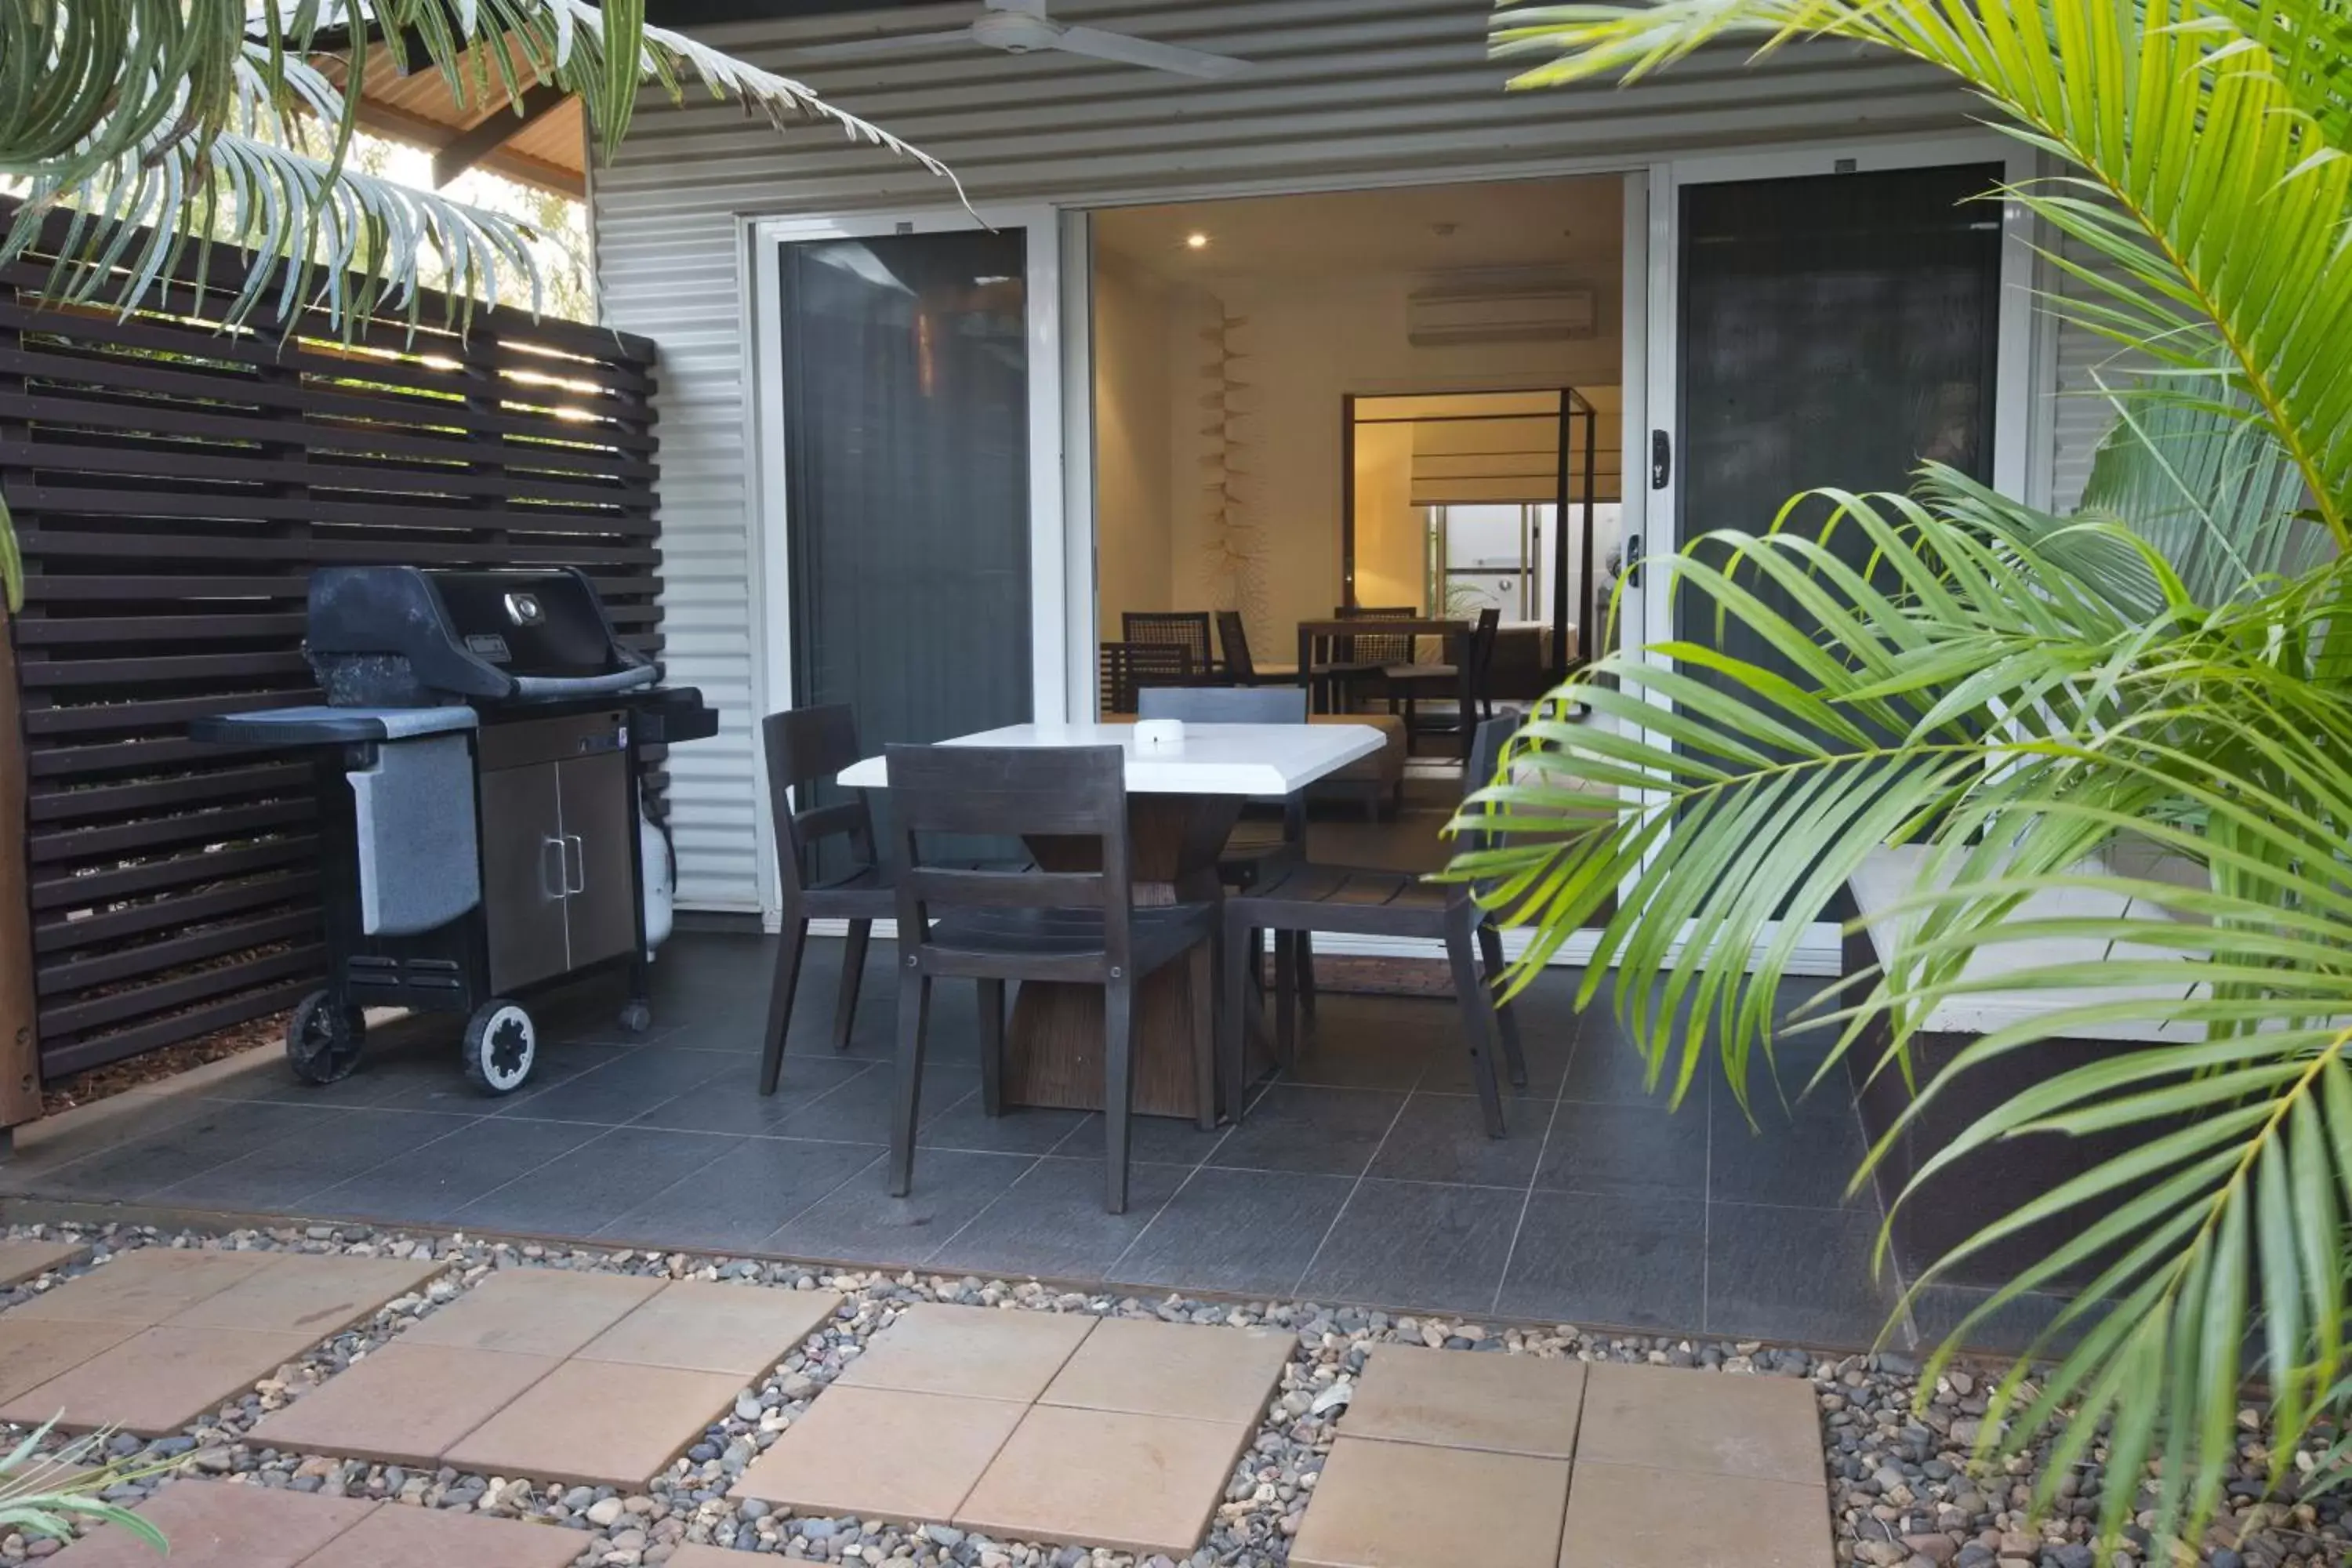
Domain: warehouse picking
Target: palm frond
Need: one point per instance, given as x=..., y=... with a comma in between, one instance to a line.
x=1968, y=690
x=2210, y=189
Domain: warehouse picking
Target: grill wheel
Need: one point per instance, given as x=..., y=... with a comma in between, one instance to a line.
x=323, y=1042
x=501, y=1045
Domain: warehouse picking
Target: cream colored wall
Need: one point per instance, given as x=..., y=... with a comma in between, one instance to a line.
x=1301, y=347
x=1391, y=541
x=1134, y=492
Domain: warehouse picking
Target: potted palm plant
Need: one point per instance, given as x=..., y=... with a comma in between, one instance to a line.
x=2142, y=705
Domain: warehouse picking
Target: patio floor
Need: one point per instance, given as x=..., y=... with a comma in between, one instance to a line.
x=1360, y=1175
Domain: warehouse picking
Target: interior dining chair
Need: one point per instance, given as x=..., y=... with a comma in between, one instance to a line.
x=1187, y=629
x=1241, y=666
x=1358, y=901
x=1079, y=927
x=806, y=748
x=1414, y=683
x=1129, y=668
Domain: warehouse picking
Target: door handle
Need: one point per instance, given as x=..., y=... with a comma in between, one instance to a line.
x=578, y=853
x=1632, y=558
x=1662, y=459
x=560, y=886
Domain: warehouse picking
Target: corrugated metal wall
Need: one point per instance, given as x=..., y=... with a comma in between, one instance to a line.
x=1345, y=89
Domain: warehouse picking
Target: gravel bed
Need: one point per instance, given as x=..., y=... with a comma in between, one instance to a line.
x=1901, y=1490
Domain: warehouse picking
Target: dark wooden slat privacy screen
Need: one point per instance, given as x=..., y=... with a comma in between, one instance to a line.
x=172, y=484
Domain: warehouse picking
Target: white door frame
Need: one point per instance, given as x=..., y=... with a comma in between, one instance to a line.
x=1050, y=548
x=2017, y=332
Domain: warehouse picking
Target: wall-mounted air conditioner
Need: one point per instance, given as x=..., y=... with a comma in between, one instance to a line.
x=1511, y=305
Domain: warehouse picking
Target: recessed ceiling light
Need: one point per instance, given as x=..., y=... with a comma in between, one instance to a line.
x=1196, y=240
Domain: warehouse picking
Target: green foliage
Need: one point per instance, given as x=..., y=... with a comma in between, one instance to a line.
x=2155, y=685
x=142, y=131
x=46, y=1491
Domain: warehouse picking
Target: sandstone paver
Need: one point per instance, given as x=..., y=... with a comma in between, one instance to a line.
x=398, y=1536
x=1147, y=1367
x=1103, y=1478
x=1764, y=1429
x=221, y=1524
x=882, y=1453
x=1409, y=1505
x=28, y=1258
x=1512, y=1405
x=310, y=1295
x=157, y=1381
x=975, y=1351
x=702, y=1325
x=597, y=1423
x=535, y=1311
x=1632, y=1516
x=148, y=1285
x=33, y=1353
x=407, y=1404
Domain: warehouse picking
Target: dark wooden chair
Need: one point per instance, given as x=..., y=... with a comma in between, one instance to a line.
x=1412, y=683
x=1361, y=901
x=1241, y=669
x=1378, y=651
x=1187, y=629
x=1270, y=833
x=1129, y=667
x=806, y=746
x=1079, y=927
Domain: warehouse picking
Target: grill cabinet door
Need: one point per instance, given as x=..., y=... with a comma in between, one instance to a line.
x=602, y=906
x=523, y=875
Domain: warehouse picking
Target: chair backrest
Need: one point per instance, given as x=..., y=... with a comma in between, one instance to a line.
x=1129, y=667
x=1234, y=638
x=1487, y=746
x=1188, y=629
x=806, y=747
x=1024, y=792
x=1378, y=650
x=1481, y=649
x=1223, y=704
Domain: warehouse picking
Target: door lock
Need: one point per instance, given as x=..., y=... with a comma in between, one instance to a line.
x=1662, y=459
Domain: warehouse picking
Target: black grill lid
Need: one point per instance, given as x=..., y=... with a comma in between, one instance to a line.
x=392, y=636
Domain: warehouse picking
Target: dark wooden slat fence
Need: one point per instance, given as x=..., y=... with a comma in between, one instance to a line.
x=172, y=484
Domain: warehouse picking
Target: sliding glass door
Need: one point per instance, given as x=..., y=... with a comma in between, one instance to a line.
x=909, y=416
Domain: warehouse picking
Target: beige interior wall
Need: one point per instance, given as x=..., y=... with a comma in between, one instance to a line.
x=1133, y=488
x=1302, y=345
x=1391, y=541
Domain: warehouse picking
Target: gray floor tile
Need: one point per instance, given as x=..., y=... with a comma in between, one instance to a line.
x=740, y=1199
x=1636, y=1263
x=1802, y=1155
x=1251, y=1231
x=1793, y=1274
x=621, y=1091
x=1605, y=1070
x=859, y=1112
x=1613, y=1151
x=732, y=1101
x=1160, y=1139
x=1021, y=1129
x=860, y=1221
x=579, y=1192
x=331, y=1147
x=1051, y=1222
x=2014, y=1328
x=1548, y=1051
x=1326, y=1131
x=436, y=1180
x=1443, y=1138
x=222, y=1131
x=39, y=1159
x=1416, y=1246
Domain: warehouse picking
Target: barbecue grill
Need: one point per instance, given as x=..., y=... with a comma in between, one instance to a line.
x=481, y=830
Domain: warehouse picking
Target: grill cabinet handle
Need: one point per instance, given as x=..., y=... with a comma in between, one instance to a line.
x=558, y=887
x=575, y=878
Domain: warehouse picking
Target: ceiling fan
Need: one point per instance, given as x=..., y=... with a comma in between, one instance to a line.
x=1021, y=27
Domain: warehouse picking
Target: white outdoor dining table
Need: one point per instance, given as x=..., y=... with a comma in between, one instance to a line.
x=1212, y=759
x=1182, y=802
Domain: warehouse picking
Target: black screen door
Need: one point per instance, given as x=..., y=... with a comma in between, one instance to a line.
x=906, y=427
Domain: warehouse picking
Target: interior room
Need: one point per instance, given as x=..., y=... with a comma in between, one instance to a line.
x=1399, y=402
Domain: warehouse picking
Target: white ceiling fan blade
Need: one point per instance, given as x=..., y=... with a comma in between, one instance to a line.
x=895, y=43
x=1134, y=51
x=1019, y=7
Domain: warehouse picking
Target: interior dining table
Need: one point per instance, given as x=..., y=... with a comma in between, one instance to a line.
x=1182, y=801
